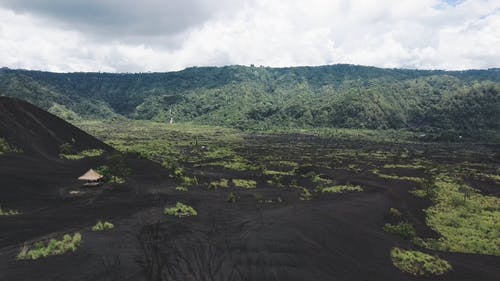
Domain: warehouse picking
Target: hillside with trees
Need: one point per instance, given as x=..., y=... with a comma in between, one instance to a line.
x=336, y=96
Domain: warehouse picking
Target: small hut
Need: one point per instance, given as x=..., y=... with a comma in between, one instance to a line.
x=91, y=178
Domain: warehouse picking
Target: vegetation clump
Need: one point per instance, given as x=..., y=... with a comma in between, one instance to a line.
x=180, y=210
x=4, y=212
x=341, y=189
x=395, y=212
x=418, y=263
x=396, y=177
x=222, y=183
x=243, y=183
x=181, y=188
x=116, y=170
x=101, y=226
x=6, y=148
x=305, y=194
x=466, y=220
x=54, y=247
x=82, y=154
x=403, y=229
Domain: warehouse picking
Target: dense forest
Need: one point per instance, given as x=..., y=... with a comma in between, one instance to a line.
x=336, y=96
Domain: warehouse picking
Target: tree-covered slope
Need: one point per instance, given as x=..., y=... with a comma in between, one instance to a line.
x=260, y=97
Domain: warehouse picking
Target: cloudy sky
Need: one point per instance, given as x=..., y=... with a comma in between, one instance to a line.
x=164, y=35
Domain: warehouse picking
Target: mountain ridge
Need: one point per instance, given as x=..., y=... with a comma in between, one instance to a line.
x=338, y=96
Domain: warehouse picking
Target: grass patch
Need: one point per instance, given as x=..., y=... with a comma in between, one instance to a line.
x=466, y=219
x=341, y=189
x=181, y=188
x=53, y=247
x=418, y=263
x=403, y=229
x=83, y=154
x=305, y=194
x=395, y=213
x=403, y=166
x=180, y=210
x=101, y=226
x=420, y=193
x=279, y=173
x=245, y=183
x=222, y=183
x=5, y=212
x=396, y=177
x=238, y=164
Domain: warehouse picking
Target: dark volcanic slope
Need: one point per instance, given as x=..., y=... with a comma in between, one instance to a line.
x=38, y=132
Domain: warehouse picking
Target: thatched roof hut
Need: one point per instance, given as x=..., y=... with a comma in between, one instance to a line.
x=91, y=175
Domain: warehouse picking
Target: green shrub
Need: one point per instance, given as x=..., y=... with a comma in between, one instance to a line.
x=341, y=189
x=245, y=183
x=180, y=210
x=181, y=188
x=54, y=247
x=418, y=263
x=305, y=194
x=83, y=154
x=222, y=183
x=277, y=181
x=403, y=229
x=101, y=226
x=467, y=223
x=6, y=148
x=187, y=181
x=4, y=212
x=420, y=193
x=395, y=212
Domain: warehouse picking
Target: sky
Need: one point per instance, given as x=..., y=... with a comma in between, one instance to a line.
x=170, y=35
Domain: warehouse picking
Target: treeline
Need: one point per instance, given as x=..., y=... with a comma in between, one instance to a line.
x=341, y=96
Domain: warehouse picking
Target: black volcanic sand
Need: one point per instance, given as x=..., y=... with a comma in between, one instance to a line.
x=332, y=237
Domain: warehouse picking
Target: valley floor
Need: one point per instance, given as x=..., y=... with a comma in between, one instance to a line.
x=269, y=207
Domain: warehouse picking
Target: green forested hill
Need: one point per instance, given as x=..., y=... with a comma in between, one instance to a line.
x=342, y=96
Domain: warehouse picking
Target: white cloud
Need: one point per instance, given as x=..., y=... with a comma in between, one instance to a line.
x=389, y=33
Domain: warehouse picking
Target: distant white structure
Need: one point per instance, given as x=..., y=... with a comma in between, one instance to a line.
x=171, y=120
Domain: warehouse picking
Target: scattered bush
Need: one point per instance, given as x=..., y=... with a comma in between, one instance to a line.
x=108, y=176
x=418, y=263
x=403, y=229
x=222, y=183
x=187, y=181
x=83, y=154
x=395, y=212
x=245, y=183
x=180, y=210
x=181, y=188
x=341, y=189
x=420, y=193
x=54, y=247
x=4, y=212
x=277, y=181
x=101, y=226
x=305, y=194
x=6, y=148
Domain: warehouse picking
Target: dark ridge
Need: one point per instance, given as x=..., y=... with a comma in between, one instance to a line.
x=39, y=133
